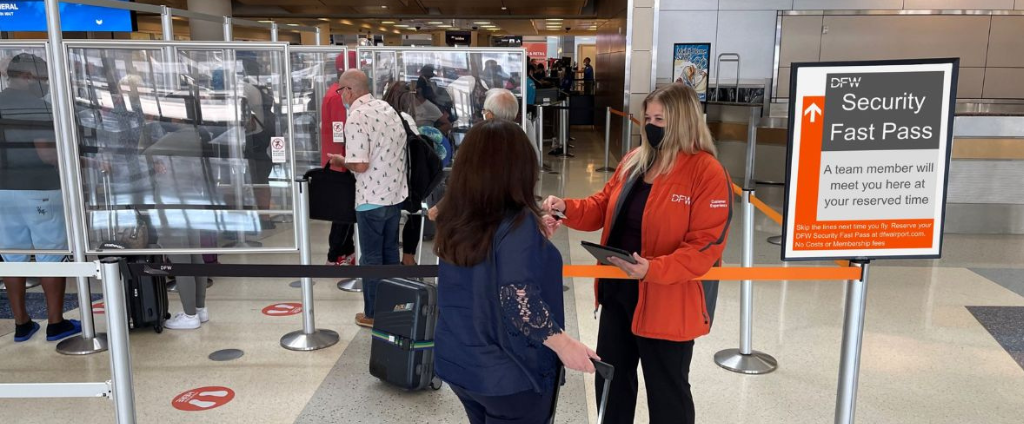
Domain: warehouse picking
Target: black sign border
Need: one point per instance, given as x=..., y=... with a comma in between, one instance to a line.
x=795, y=67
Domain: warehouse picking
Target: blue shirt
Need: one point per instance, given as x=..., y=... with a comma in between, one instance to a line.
x=481, y=344
x=531, y=91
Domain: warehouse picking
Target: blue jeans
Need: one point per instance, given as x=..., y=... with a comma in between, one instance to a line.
x=378, y=241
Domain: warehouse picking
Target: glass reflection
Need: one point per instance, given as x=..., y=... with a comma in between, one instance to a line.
x=313, y=74
x=32, y=215
x=188, y=135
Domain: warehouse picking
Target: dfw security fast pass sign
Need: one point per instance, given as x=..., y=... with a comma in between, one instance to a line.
x=869, y=147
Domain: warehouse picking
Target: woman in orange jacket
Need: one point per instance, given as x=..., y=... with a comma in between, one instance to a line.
x=670, y=203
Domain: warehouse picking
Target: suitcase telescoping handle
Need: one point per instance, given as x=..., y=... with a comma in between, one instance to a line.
x=607, y=372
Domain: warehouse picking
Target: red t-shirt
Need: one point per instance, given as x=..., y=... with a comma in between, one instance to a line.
x=332, y=110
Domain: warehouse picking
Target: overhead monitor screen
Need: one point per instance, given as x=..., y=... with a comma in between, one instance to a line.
x=31, y=16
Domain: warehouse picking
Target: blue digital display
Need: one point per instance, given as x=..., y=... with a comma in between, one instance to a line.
x=31, y=16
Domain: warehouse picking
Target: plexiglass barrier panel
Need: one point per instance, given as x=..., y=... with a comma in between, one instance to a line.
x=33, y=215
x=196, y=138
x=456, y=81
x=316, y=106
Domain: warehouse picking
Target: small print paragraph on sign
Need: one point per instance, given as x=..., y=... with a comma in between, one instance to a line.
x=901, y=234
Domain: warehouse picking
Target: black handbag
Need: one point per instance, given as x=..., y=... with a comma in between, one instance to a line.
x=332, y=195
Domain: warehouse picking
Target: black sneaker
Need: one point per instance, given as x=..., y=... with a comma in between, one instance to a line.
x=63, y=329
x=23, y=332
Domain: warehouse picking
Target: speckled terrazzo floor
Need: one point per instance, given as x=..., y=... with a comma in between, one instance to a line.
x=926, y=357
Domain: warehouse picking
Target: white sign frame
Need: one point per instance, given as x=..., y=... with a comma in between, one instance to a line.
x=809, y=80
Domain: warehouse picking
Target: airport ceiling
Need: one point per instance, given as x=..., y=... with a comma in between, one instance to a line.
x=501, y=17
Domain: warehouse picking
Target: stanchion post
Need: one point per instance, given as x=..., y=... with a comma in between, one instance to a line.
x=540, y=135
x=309, y=338
x=607, y=139
x=746, y=360
x=853, y=337
x=122, y=386
x=273, y=31
x=88, y=342
x=228, y=30
x=166, y=23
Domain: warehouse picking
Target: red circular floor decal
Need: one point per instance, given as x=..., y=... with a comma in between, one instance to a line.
x=283, y=309
x=203, y=398
x=99, y=308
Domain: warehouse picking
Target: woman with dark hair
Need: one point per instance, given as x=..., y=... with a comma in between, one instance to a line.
x=499, y=335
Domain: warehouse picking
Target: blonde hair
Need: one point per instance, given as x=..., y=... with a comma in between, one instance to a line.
x=685, y=131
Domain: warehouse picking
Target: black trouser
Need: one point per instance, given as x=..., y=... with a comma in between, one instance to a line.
x=411, y=234
x=341, y=241
x=521, y=408
x=666, y=364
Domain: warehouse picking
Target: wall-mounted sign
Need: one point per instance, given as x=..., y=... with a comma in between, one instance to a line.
x=507, y=41
x=869, y=149
x=536, y=51
x=691, y=65
x=458, y=38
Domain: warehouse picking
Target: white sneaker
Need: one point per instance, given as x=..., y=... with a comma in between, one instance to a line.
x=204, y=315
x=181, y=321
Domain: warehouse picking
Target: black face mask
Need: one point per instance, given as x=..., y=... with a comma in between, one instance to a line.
x=655, y=135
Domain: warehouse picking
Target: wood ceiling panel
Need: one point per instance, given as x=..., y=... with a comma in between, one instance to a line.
x=278, y=3
x=441, y=4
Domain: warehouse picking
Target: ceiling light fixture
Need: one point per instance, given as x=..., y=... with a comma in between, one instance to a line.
x=266, y=22
x=554, y=20
x=388, y=22
x=346, y=22
x=482, y=23
x=435, y=23
x=383, y=6
x=324, y=20
x=401, y=26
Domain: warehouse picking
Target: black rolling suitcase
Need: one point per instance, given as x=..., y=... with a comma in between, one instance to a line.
x=402, y=350
x=145, y=295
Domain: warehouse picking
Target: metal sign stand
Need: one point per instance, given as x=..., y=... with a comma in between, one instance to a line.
x=309, y=338
x=745, y=360
x=853, y=338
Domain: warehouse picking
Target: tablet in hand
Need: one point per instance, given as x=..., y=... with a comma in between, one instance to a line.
x=601, y=253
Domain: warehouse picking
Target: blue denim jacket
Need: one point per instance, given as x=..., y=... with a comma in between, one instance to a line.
x=479, y=345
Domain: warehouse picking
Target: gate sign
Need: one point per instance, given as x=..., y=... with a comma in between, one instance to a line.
x=869, y=148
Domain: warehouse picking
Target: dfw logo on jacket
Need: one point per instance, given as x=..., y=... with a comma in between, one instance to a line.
x=681, y=198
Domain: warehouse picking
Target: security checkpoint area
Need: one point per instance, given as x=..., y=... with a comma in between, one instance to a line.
x=174, y=174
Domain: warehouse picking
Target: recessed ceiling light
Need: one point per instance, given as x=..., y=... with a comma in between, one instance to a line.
x=435, y=23
x=266, y=22
x=488, y=26
x=324, y=20
x=388, y=22
x=397, y=31
x=482, y=23
x=554, y=19
x=504, y=8
x=401, y=26
x=444, y=26
x=346, y=22
x=292, y=24
x=494, y=29
x=383, y=6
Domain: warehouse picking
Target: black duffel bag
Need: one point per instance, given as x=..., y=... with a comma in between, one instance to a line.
x=332, y=195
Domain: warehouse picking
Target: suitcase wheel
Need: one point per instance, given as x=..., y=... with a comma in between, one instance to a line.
x=158, y=328
x=436, y=383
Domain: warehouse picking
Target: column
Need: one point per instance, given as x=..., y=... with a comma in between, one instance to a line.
x=641, y=50
x=206, y=30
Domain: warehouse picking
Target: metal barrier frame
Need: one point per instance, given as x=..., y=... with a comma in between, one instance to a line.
x=73, y=136
x=120, y=388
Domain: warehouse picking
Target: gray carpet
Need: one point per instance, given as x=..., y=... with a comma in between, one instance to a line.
x=1006, y=325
